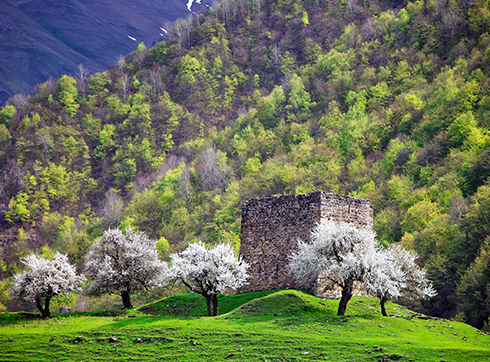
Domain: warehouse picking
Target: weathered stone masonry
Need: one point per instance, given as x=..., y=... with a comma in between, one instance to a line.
x=272, y=226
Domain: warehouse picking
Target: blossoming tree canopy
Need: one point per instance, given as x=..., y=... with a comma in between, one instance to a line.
x=44, y=280
x=208, y=272
x=122, y=263
x=339, y=254
x=396, y=274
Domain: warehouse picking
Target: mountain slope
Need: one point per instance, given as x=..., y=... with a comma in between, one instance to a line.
x=45, y=39
x=29, y=54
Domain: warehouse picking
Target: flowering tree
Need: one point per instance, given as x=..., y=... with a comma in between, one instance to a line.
x=386, y=279
x=396, y=274
x=339, y=255
x=118, y=263
x=208, y=271
x=45, y=279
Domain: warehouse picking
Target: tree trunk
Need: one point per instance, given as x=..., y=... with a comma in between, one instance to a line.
x=44, y=311
x=383, y=309
x=215, y=305
x=208, y=305
x=126, y=300
x=346, y=296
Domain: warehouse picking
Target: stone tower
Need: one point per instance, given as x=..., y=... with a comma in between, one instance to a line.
x=272, y=226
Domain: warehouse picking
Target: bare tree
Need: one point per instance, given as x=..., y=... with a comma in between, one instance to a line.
x=256, y=5
x=155, y=80
x=44, y=280
x=276, y=56
x=181, y=31
x=140, y=56
x=121, y=63
x=11, y=182
x=226, y=10
x=112, y=210
x=451, y=19
x=172, y=161
x=147, y=89
x=368, y=31
x=82, y=74
x=458, y=208
x=184, y=186
x=234, y=10
x=44, y=141
x=352, y=6
x=169, y=27
x=152, y=84
x=213, y=170
x=214, y=7
x=144, y=181
x=285, y=80
x=19, y=101
x=124, y=83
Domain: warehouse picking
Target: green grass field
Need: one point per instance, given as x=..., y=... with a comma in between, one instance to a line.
x=284, y=325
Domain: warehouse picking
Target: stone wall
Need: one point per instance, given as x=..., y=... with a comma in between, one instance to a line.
x=272, y=226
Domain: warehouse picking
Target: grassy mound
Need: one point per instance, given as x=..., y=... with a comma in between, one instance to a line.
x=192, y=305
x=286, y=325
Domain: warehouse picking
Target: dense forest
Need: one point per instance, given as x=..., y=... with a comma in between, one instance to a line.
x=385, y=100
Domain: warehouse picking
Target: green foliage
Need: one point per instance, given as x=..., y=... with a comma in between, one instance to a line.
x=98, y=84
x=190, y=67
x=141, y=48
x=4, y=294
x=353, y=123
x=299, y=99
x=304, y=18
x=380, y=94
x=256, y=80
x=474, y=287
x=268, y=108
x=67, y=94
x=4, y=133
x=6, y=114
x=253, y=164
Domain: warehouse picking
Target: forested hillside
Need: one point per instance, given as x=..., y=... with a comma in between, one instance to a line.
x=386, y=100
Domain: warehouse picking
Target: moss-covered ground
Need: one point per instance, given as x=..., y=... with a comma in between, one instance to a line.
x=284, y=325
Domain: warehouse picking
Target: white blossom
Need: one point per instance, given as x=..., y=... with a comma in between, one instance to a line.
x=415, y=284
x=45, y=279
x=339, y=255
x=385, y=277
x=394, y=274
x=208, y=272
x=118, y=263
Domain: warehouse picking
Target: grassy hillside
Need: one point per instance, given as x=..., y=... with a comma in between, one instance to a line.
x=378, y=99
x=285, y=325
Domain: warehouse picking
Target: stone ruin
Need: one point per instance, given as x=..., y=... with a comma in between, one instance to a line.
x=271, y=228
